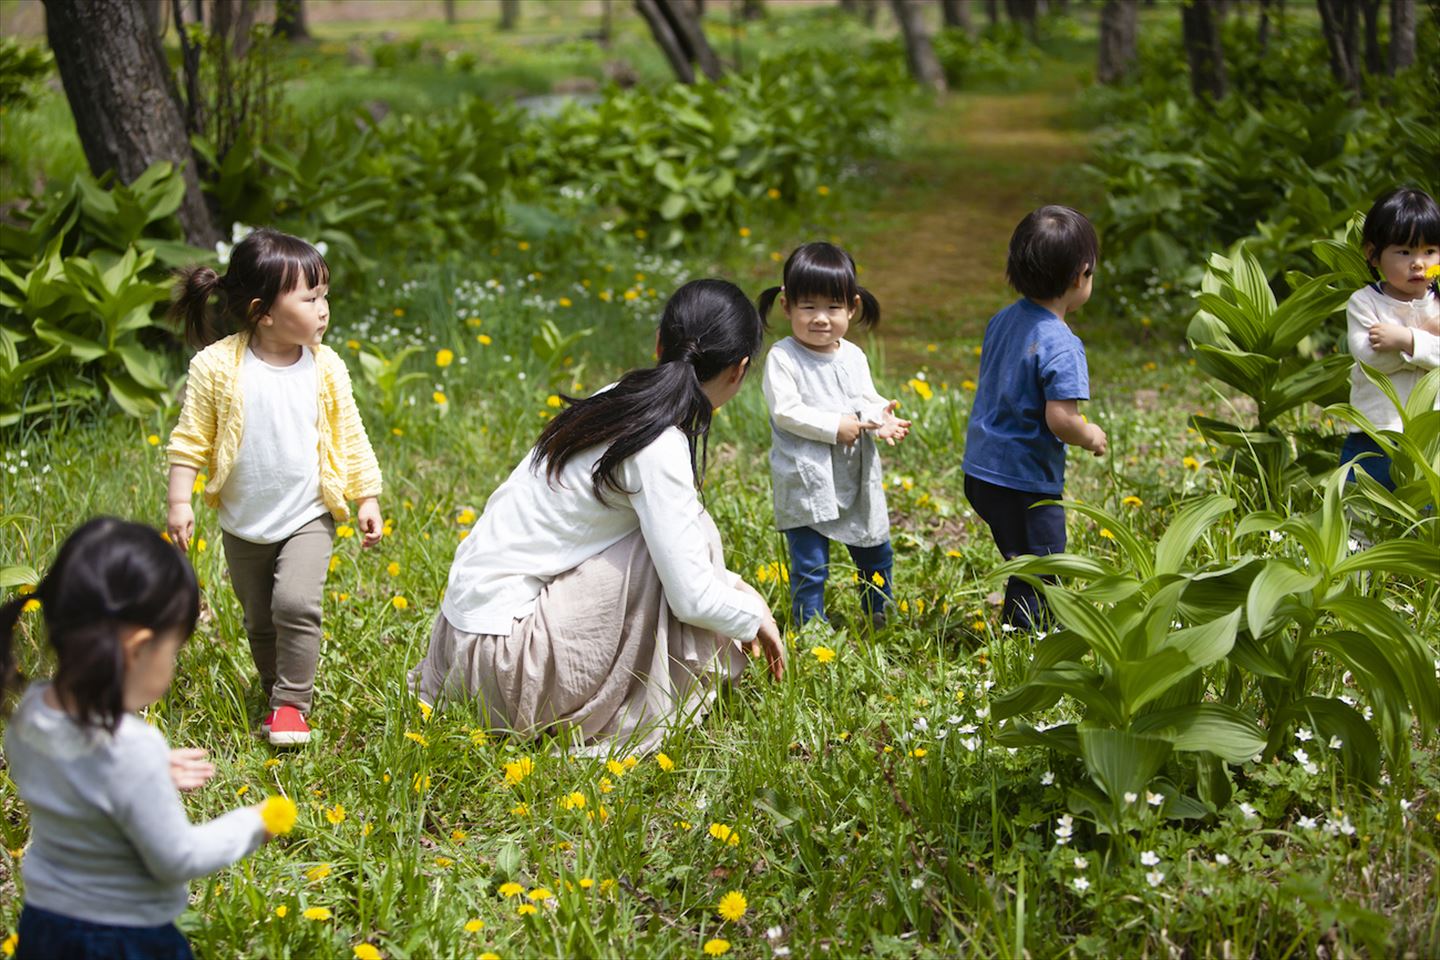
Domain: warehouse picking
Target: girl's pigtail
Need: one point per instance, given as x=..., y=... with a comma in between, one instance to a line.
x=767, y=300
x=869, y=310
x=190, y=308
x=9, y=619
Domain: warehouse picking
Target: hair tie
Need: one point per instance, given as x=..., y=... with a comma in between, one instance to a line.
x=689, y=352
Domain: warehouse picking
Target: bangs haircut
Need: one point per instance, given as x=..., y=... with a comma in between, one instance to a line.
x=1403, y=217
x=1049, y=251
x=821, y=270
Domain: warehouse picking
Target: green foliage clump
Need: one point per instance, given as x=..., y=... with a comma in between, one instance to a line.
x=22, y=69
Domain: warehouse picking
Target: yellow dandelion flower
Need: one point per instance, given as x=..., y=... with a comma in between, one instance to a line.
x=918, y=753
x=823, y=190
x=421, y=783
x=1432, y=272
x=565, y=302
x=364, y=951
x=479, y=738
x=732, y=906
x=523, y=244
x=318, y=913
x=439, y=398
x=344, y=531
x=724, y=834
x=153, y=440
x=399, y=311
x=586, y=883
x=539, y=893
x=606, y=785
x=318, y=872
x=458, y=835
x=525, y=910
x=444, y=862
x=335, y=814
x=632, y=294
x=272, y=763
x=1105, y=533
x=518, y=770
x=920, y=388
x=967, y=385
x=615, y=767
x=773, y=193
x=474, y=926
x=243, y=790
x=366, y=830
x=573, y=801
x=392, y=568
x=281, y=911
x=606, y=885
x=465, y=517
x=877, y=579
x=278, y=814
x=511, y=889
x=417, y=737
x=553, y=401
x=717, y=946
x=664, y=762
x=641, y=233
x=8, y=945
x=399, y=603
x=823, y=654
x=488, y=955
x=1190, y=463
x=1133, y=501
x=744, y=232
x=444, y=357
x=520, y=810
x=631, y=762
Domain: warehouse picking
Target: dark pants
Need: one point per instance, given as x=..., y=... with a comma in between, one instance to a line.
x=50, y=936
x=1019, y=527
x=1377, y=467
x=810, y=565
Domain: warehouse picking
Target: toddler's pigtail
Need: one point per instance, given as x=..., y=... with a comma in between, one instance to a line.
x=190, y=306
x=767, y=300
x=869, y=310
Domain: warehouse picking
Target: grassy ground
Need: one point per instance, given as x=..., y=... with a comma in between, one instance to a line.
x=860, y=806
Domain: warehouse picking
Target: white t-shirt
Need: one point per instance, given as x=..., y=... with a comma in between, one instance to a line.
x=532, y=531
x=274, y=487
x=1371, y=305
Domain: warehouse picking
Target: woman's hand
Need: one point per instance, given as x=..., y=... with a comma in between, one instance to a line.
x=189, y=768
x=767, y=641
x=372, y=525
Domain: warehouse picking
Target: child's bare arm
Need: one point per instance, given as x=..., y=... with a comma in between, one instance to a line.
x=1064, y=420
x=1391, y=338
x=180, y=515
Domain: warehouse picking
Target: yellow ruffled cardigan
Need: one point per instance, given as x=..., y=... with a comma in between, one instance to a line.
x=212, y=420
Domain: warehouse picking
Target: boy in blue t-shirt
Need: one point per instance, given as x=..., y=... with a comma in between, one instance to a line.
x=1032, y=373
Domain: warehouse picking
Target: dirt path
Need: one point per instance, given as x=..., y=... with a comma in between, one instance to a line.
x=934, y=253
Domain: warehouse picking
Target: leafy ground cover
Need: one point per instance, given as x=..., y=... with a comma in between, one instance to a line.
x=873, y=802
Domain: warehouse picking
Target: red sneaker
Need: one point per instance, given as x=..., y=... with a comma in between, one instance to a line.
x=265, y=724
x=288, y=728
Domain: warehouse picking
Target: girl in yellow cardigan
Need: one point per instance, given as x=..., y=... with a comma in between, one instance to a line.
x=270, y=417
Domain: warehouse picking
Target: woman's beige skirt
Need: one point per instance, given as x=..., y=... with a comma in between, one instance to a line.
x=602, y=663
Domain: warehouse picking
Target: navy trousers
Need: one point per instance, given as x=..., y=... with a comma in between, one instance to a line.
x=1019, y=527
x=810, y=566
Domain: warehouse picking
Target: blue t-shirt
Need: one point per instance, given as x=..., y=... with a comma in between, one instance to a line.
x=1029, y=357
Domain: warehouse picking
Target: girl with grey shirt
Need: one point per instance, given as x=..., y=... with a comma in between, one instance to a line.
x=111, y=849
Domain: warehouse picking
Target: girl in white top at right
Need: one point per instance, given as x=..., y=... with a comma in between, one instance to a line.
x=825, y=415
x=1394, y=323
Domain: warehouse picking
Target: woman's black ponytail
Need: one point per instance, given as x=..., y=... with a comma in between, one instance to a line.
x=109, y=575
x=822, y=269
x=10, y=613
x=708, y=326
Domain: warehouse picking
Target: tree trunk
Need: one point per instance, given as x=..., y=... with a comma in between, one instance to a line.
x=509, y=14
x=233, y=19
x=864, y=9
x=1374, y=59
x=919, y=51
x=155, y=17
x=1203, y=49
x=123, y=98
x=607, y=22
x=1119, y=27
x=450, y=12
x=992, y=10
x=1024, y=13
x=1337, y=20
x=1262, y=29
x=752, y=10
x=956, y=14
x=290, y=20
x=675, y=25
x=1402, y=35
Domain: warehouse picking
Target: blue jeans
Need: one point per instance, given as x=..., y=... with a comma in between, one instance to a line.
x=1019, y=527
x=1377, y=467
x=50, y=936
x=810, y=565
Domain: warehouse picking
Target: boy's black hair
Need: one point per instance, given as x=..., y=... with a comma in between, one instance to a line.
x=109, y=574
x=1403, y=217
x=1049, y=250
x=823, y=270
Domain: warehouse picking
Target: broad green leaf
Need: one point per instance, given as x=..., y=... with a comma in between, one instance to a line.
x=1061, y=738
x=1084, y=620
x=14, y=575
x=1138, y=553
x=1278, y=580
x=1213, y=728
x=1359, y=749
x=1407, y=558
x=1121, y=762
x=1186, y=528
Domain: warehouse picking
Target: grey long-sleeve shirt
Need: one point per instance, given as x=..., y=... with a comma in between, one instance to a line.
x=109, y=838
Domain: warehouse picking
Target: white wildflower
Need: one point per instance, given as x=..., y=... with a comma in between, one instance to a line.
x=1047, y=778
x=1154, y=799
x=1222, y=859
x=1080, y=884
x=1155, y=877
x=1081, y=863
x=1336, y=743
x=1149, y=858
x=1304, y=734
x=1307, y=823
x=1131, y=797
